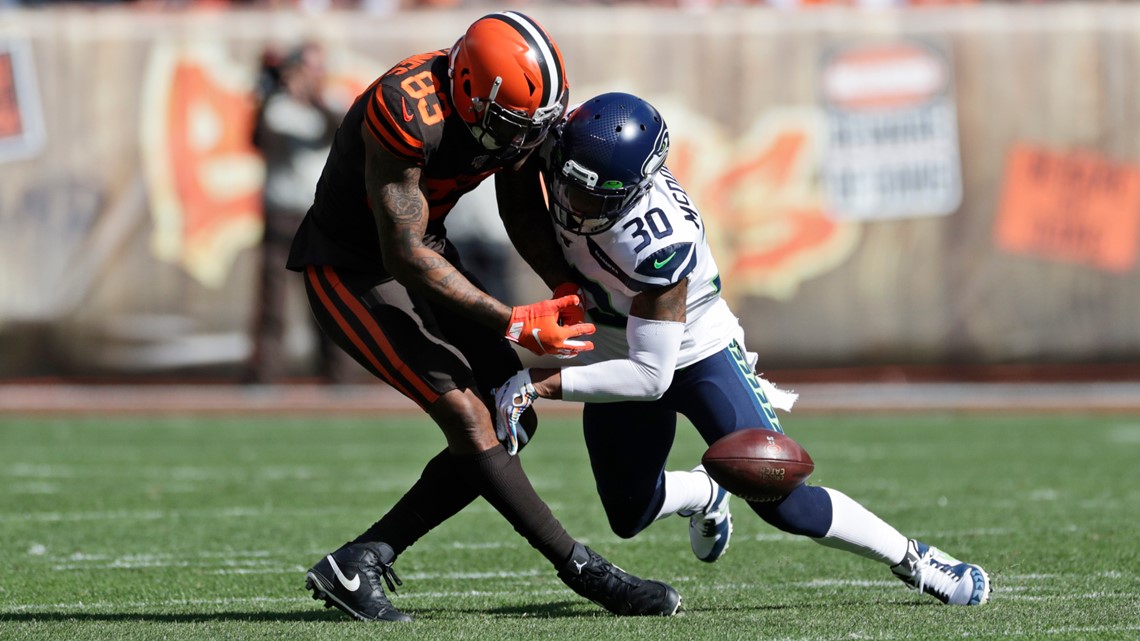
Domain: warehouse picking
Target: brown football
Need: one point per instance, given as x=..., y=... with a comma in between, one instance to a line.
x=758, y=464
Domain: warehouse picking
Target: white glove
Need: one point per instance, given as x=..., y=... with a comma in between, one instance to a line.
x=511, y=400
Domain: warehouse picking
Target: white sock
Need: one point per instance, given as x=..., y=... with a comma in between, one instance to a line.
x=686, y=492
x=855, y=529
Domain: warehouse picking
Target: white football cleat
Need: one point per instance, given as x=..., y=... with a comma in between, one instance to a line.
x=711, y=528
x=943, y=577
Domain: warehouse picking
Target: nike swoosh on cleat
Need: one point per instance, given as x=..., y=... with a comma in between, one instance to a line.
x=352, y=585
x=658, y=264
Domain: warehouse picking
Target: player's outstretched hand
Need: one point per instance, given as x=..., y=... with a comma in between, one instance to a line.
x=512, y=398
x=536, y=328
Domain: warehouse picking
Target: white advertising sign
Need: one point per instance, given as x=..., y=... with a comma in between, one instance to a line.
x=892, y=136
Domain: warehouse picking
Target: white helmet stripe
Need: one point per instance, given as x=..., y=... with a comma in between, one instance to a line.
x=546, y=57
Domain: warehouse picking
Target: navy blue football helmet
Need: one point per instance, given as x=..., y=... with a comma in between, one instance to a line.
x=602, y=160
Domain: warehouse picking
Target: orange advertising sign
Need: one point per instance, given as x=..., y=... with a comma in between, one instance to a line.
x=21, y=123
x=204, y=176
x=1070, y=206
x=10, y=120
x=884, y=76
x=765, y=199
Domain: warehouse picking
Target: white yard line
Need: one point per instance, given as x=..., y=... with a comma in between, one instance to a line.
x=1091, y=596
x=163, y=604
x=221, y=513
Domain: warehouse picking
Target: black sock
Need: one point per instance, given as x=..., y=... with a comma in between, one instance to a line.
x=441, y=492
x=501, y=480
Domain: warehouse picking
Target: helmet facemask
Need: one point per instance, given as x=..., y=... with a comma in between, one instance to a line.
x=582, y=206
x=499, y=129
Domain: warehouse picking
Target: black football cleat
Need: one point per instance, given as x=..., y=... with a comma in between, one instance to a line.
x=602, y=582
x=350, y=579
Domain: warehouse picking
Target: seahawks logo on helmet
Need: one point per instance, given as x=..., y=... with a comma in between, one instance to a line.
x=655, y=161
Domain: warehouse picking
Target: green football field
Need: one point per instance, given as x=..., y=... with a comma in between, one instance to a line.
x=202, y=528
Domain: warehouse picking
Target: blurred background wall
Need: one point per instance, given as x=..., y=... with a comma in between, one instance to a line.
x=935, y=185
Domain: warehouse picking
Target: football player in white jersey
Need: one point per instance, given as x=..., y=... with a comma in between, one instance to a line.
x=668, y=344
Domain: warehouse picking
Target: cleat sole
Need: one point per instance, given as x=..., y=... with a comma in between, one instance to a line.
x=982, y=585
x=315, y=583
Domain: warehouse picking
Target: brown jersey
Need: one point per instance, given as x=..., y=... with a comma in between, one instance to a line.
x=409, y=111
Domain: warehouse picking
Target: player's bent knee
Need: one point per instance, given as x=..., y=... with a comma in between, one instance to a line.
x=626, y=518
x=806, y=512
x=458, y=407
x=465, y=422
x=626, y=529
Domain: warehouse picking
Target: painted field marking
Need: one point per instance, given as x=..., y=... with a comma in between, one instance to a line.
x=844, y=583
x=1091, y=596
x=1128, y=434
x=163, y=604
x=222, y=513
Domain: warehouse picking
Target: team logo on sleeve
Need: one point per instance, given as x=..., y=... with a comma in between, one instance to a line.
x=670, y=264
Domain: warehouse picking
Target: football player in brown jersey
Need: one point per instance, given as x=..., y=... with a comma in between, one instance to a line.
x=387, y=286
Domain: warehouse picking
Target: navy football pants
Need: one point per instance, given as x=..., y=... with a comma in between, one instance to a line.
x=629, y=443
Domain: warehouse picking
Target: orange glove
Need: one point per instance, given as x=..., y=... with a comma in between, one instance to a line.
x=573, y=314
x=536, y=328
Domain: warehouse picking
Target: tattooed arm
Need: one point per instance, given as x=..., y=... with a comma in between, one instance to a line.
x=663, y=303
x=400, y=209
x=655, y=330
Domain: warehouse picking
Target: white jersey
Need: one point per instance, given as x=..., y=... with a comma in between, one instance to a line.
x=657, y=243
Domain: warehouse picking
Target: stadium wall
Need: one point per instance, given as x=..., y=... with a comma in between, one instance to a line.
x=956, y=185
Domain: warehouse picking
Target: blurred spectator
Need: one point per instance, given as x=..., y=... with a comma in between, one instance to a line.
x=293, y=131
